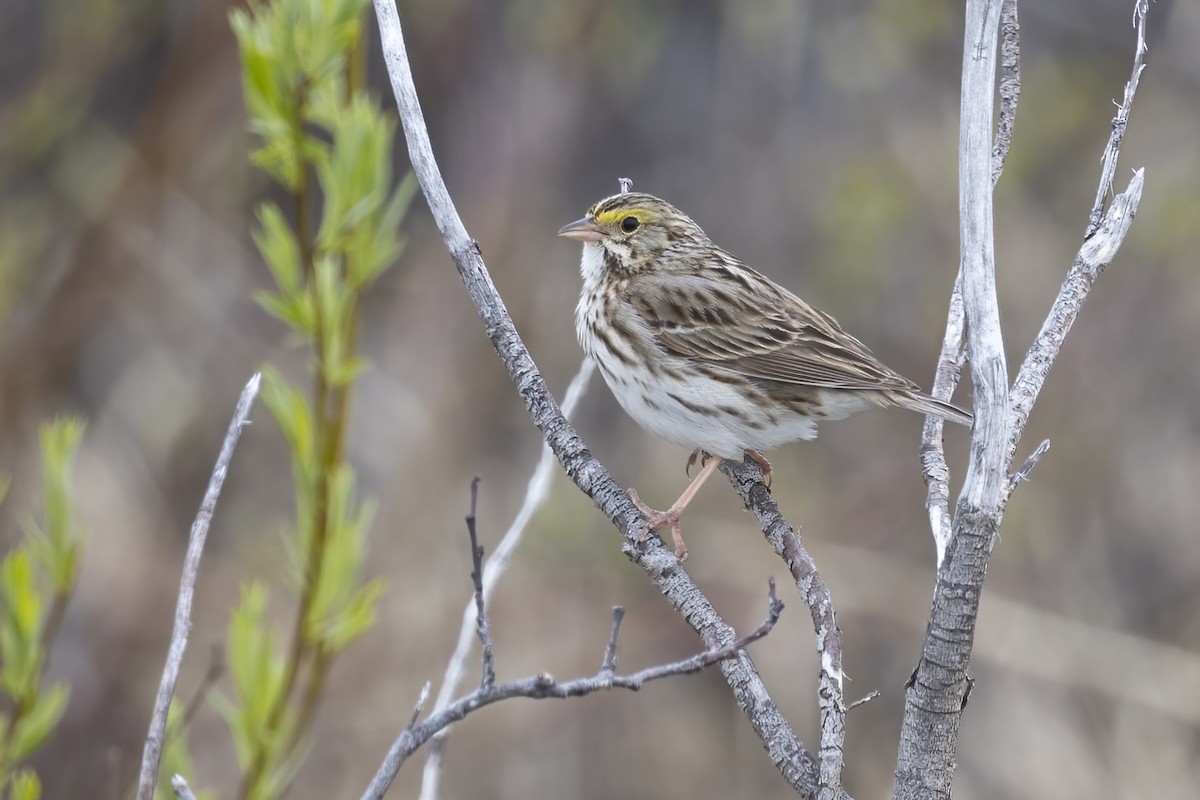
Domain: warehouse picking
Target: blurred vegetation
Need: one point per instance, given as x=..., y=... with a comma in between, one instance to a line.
x=320, y=137
x=37, y=578
x=139, y=248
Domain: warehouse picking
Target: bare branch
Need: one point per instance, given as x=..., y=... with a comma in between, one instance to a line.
x=536, y=492
x=863, y=700
x=152, y=754
x=544, y=686
x=481, y=620
x=182, y=790
x=746, y=477
x=609, y=665
x=934, y=697
x=940, y=685
x=1113, y=149
x=1022, y=474
x=1095, y=254
x=786, y=751
x=949, y=366
x=419, y=707
x=933, y=454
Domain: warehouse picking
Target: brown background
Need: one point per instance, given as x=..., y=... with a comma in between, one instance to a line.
x=818, y=142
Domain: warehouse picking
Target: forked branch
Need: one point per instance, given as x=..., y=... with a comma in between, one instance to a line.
x=544, y=685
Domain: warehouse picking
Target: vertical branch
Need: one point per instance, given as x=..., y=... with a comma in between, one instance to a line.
x=938, y=688
x=949, y=366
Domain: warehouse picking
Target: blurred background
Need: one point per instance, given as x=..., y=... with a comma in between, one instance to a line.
x=818, y=142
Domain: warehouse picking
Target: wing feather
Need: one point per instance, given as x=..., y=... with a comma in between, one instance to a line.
x=729, y=316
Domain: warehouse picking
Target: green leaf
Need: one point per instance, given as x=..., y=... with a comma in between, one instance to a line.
x=21, y=619
x=279, y=249
x=59, y=440
x=292, y=413
x=25, y=786
x=341, y=609
x=374, y=247
x=34, y=728
x=258, y=670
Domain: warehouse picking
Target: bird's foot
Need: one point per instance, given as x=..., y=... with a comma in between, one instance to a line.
x=762, y=462
x=657, y=519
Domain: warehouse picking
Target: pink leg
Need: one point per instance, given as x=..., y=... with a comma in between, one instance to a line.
x=656, y=519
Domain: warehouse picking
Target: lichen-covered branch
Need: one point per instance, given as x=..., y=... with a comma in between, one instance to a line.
x=746, y=477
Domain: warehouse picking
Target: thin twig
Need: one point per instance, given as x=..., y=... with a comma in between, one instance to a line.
x=152, y=754
x=536, y=492
x=1113, y=149
x=863, y=700
x=420, y=706
x=182, y=790
x=1022, y=475
x=1103, y=238
x=544, y=686
x=609, y=665
x=746, y=477
x=481, y=620
x=786, y=751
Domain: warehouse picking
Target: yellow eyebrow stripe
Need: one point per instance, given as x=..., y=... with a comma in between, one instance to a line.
x=612, y=216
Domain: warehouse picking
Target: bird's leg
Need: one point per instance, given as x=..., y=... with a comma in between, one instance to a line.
x=656, y=519
x=761, y=460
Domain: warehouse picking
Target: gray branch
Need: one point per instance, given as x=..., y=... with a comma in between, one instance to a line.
x=152, y=754
x=936, y=691
x=746, y=478
x=950, y=359
x=544, y=686
x=939, y=686
x=933, y=453
x=181, y=788
x=1113, y=150
x=786, y=751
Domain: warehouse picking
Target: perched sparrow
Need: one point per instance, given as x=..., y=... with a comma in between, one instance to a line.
x=709, y=354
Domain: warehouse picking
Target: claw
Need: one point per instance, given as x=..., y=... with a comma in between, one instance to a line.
x=762, y=462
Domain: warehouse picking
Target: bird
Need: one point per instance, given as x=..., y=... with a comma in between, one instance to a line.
x=706, y=352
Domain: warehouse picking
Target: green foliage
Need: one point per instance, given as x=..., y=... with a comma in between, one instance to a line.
x=259, y=669
x=25, y=786
x=320, y=136
x=36, y=578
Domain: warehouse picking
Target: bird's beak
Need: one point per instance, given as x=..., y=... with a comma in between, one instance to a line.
x=582, y=230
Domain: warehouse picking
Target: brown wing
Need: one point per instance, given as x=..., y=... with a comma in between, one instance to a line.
x=735, y=318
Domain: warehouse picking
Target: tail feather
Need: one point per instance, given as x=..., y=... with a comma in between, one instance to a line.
x=924, y=404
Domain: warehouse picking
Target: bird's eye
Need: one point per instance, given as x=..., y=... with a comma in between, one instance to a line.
x=630, y=224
